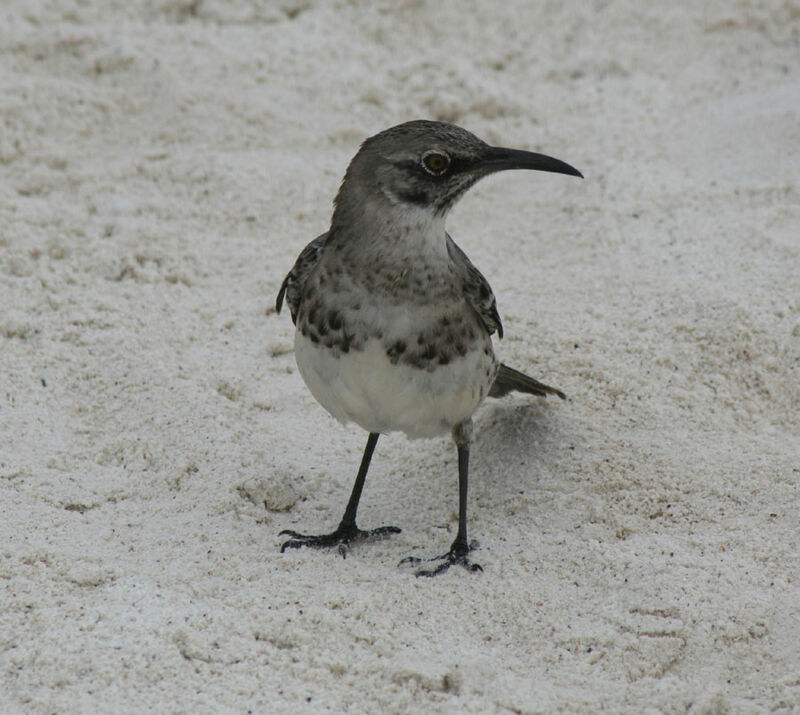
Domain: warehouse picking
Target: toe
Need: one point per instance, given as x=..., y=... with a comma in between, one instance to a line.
x=291, y=544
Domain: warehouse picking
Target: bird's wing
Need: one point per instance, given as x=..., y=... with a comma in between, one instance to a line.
x=292, y=286
x=477, y=290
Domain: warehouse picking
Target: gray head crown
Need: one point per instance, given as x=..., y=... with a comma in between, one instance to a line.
x=428, y=165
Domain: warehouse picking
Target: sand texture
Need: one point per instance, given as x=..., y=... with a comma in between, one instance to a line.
x=162, y=163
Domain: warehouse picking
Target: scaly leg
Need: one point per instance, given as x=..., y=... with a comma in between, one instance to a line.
x=460, y=549
x=347, y=532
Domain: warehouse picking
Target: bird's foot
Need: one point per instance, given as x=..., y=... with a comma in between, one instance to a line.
x=458, y=554
x=342, y=538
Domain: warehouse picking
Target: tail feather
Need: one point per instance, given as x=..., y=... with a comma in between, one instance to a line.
x=510, y=380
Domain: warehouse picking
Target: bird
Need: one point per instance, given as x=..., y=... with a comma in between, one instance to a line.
x=393, y=322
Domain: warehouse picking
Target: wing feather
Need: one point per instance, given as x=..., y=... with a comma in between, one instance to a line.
x=292, y=286
x=477, y=290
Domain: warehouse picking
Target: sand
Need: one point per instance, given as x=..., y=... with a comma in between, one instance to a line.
x=162, y=163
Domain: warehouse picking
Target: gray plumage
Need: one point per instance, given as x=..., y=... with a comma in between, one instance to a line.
x=393, y=321
x=475, y=289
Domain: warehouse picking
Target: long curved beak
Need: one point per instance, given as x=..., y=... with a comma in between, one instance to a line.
x=500, y=159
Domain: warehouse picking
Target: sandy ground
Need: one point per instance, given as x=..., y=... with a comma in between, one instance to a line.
x=162, y=162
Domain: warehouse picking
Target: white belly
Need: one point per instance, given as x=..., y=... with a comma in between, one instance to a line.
x=364, y=387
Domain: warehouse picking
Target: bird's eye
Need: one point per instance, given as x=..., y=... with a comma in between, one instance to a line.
x=435, y=162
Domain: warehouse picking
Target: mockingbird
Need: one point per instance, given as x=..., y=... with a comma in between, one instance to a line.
x=393, y=322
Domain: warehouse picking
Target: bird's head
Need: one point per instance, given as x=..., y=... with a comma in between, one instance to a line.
x=427, y=165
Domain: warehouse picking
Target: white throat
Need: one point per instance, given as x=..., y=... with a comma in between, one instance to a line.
x=417, y=231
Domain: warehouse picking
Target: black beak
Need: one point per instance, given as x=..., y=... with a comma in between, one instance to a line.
x=501, y=159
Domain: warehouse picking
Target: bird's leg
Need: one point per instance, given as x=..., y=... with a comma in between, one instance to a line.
x=347, y=532
x=461, y=547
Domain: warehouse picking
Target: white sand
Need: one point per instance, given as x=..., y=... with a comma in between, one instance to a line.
x=162, y=162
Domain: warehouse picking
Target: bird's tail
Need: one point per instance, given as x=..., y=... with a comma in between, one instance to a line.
x=510, y=380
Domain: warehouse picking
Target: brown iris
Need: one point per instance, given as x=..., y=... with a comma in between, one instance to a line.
x=435, y=162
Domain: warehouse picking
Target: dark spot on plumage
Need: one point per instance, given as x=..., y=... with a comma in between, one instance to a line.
x=461, y=349
x=395, y=351
x=313, y=311
x=444, y=358
x=484, y=291
x=313, y=337
x=444, y=321
x=334, y=320
x=345, y=345
x=420, y=340
x=486, y=351
x=356, y=306
x=414, y=195
x=415, y=361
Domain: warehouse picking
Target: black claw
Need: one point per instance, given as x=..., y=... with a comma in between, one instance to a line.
x=342, y=538
x=382, y=531
x=456, y=556
x=289, y=532
x=409, y=560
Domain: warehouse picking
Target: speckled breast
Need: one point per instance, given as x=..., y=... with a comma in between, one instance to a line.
x=391, y=361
